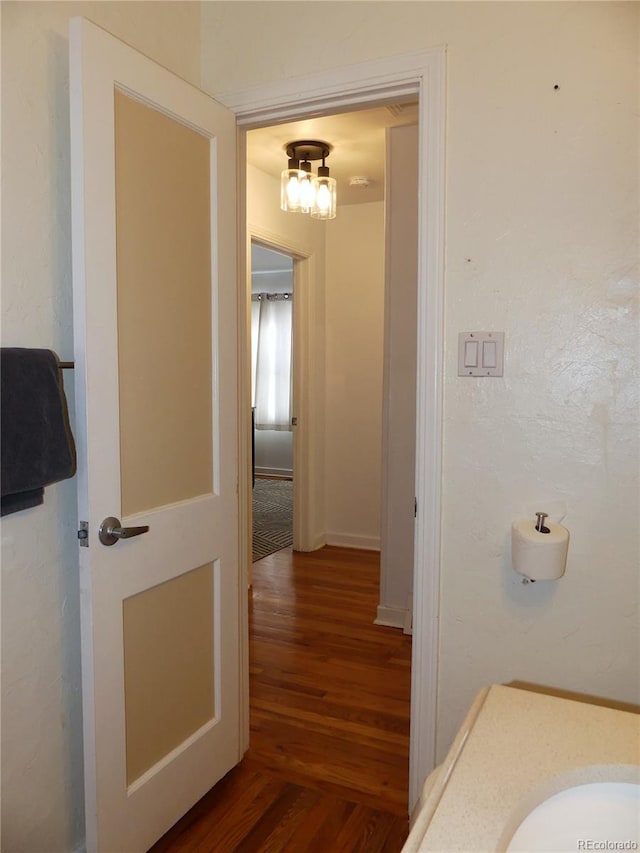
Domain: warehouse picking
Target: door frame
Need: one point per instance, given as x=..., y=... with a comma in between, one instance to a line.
x=307, y=492
x=339, y=90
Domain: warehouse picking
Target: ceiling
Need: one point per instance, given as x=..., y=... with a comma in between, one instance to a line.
x=358, y=147
x=269, y=260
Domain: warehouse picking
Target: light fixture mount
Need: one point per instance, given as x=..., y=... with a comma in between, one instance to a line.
x=308, y=149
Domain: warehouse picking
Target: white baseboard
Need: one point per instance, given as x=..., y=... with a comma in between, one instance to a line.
x=316, y=543
x=319, y=542
x=393, y=617
x=347, y=540
x=274, y=472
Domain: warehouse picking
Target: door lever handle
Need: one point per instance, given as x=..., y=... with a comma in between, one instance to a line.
x=111, y=531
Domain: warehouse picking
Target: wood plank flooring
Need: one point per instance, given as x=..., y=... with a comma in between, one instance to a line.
x=327, y=766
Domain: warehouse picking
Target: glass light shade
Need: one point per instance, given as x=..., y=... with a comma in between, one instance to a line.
x=307, y=193
x=290, y=189
x=324, y=203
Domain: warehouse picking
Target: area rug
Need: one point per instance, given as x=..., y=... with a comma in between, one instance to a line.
x=272, y=516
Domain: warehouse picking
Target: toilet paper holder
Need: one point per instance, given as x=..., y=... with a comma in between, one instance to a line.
x=540, y=522
x=535, y=556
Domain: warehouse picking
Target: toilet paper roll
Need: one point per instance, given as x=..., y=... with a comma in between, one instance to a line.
x=539, y=556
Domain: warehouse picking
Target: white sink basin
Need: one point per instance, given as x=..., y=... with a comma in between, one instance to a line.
x=598, y=813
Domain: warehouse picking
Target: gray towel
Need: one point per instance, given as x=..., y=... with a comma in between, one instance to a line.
x=36, y=443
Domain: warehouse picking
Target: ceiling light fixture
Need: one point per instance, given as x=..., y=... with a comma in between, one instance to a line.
x=300, y=191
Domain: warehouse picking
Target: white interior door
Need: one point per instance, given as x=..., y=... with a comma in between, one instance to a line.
x=154, y=233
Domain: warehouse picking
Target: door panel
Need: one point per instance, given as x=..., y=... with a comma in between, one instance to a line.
x=163, y=233
x=155, y=320
x=169, y=671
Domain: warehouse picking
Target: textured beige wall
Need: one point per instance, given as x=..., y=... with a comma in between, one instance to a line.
x=42, y=798
x=542, y=243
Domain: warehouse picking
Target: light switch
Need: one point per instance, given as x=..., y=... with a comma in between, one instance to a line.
x=480, y=353
x=471, y=353
x=489, y=354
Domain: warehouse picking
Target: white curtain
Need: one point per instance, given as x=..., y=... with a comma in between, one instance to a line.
x=271, y=325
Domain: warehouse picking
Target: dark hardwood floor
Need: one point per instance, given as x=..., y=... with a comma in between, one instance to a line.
x=327, y=767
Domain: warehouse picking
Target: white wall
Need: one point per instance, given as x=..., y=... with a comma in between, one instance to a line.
x=541, y=242
x=42, y=798
x=399, y=387
x=354, y=304
x=274, y=453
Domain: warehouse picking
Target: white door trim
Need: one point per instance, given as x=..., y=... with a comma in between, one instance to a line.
x=340, y=90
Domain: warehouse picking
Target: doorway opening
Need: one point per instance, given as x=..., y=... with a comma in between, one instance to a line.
x=420, y=75
x=272, y=405
x=345, y=329
x=343, y=340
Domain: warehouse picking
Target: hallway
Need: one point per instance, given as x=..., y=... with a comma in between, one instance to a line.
x=327, y=767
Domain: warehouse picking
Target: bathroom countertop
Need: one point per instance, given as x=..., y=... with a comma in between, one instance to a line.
x=515, y=749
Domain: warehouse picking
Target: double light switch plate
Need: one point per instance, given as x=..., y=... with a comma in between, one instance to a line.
x=480, y=353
